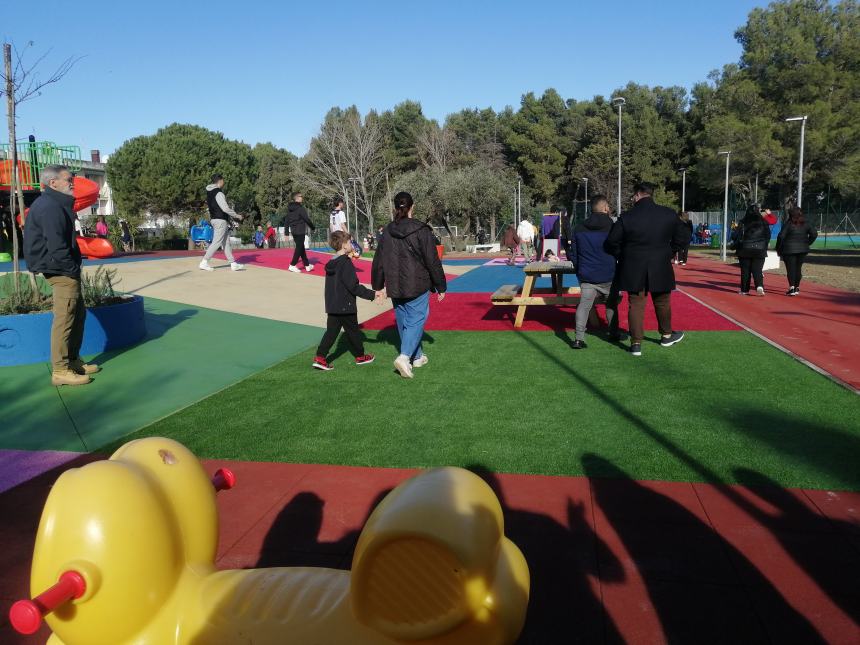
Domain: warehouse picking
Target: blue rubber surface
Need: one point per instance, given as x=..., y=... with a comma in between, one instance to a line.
x=487, y=279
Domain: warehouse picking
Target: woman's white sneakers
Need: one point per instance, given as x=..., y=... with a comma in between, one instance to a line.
x=759, y=290
x=421, y=361
x=295, y=269
x=401, y=364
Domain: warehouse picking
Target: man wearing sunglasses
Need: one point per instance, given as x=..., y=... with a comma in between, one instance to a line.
x=50, y=248
x=644, y=239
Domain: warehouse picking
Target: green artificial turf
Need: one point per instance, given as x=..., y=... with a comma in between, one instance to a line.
x=719, y=407
x=188, y=354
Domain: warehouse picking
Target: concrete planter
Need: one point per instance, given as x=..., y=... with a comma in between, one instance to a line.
x=26, y=338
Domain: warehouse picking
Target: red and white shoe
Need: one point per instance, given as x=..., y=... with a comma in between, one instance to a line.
x=367, y=359
x=321, y=363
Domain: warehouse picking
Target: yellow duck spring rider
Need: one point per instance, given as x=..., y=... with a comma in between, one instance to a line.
x=126, y=547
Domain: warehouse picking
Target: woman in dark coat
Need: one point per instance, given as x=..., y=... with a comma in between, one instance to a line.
x=792, y=244
x=751, y=238
x=407, y=266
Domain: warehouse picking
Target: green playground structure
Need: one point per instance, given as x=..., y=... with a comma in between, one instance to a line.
x=32, y=157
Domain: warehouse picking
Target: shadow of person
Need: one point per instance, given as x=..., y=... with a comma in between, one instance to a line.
x=799, y=529
x=293, y=539
x=386, y=336
x=562, y=604
x=702, y=589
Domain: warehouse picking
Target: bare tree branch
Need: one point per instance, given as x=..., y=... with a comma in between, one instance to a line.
x=26, y=82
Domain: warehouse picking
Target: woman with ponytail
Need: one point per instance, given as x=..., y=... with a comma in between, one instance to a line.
x=407, y=267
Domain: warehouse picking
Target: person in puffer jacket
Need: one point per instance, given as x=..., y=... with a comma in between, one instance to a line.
x=595, y=269
x=793, y=244
x=751, y=238
x=407, y=267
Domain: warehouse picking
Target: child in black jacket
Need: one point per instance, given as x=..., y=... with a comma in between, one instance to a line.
x=341, y=289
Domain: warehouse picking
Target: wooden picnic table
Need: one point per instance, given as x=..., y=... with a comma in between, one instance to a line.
x=558, y=295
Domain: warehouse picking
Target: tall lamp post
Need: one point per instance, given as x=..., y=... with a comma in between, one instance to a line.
x=683, y=189
x=802, y=120
x=585, y=210
x=728, y=154
x=619, y=101
x=519, y=200
x=355, y=203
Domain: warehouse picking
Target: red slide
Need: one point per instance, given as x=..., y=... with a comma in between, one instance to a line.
x=95, y=247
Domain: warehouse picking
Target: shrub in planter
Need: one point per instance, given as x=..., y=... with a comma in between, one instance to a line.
x=113, y=320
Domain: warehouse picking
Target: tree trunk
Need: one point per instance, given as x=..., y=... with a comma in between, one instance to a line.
x=10, y=113
x=492, y=228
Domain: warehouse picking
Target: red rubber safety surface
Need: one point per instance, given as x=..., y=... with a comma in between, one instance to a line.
x=281, y=258
x=475, y=312
x=611, y=560
x=821, y=325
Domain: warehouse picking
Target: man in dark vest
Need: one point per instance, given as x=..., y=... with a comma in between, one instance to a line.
x=50, y=248
x=644, y=239
x=220, y=214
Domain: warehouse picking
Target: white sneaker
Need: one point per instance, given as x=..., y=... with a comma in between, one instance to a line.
x=294, y=269
x=401, y=364
x=205, y=265
x=309, y=268
x=237, y=267
x=759, y=290
x=421, y=361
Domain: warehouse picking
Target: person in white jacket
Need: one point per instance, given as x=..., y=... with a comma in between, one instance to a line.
x=526, y=233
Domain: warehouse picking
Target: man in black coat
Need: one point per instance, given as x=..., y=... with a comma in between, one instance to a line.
x=297, y=222
x=644, y=239
x=51, y=248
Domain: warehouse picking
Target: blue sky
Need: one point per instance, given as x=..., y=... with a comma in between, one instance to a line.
x=261, y=70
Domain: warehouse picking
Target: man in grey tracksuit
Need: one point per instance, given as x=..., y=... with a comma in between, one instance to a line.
x=220, y=214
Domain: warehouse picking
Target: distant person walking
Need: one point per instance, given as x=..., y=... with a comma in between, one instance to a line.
x=101, y=227
x=298, y=222
x=407, y=266
x=125, y=235
x=526, y=233
x=793, y=244
x=644, y=239
x=751, y=238
x=681, y=255
x=50, y=248
x=220, y=215
x=595, y=269
x=510, y=241
x=271, y=237
x=337, y=218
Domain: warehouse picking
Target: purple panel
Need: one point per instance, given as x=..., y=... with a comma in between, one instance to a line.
x=17, y=466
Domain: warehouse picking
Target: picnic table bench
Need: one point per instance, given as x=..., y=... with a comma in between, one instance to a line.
x=558, y=295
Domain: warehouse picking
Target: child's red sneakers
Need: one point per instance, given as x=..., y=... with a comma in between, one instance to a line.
x=320, y=363
x=367, y=359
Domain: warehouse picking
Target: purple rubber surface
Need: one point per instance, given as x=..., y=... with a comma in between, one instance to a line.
x=18, y=466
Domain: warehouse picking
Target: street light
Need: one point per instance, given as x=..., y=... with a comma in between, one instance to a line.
x=618, y=101
x=519, y=201
x=355, y=202
x=683, y=189
x=728, y=154
x=802, y=120
x=585, y=210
